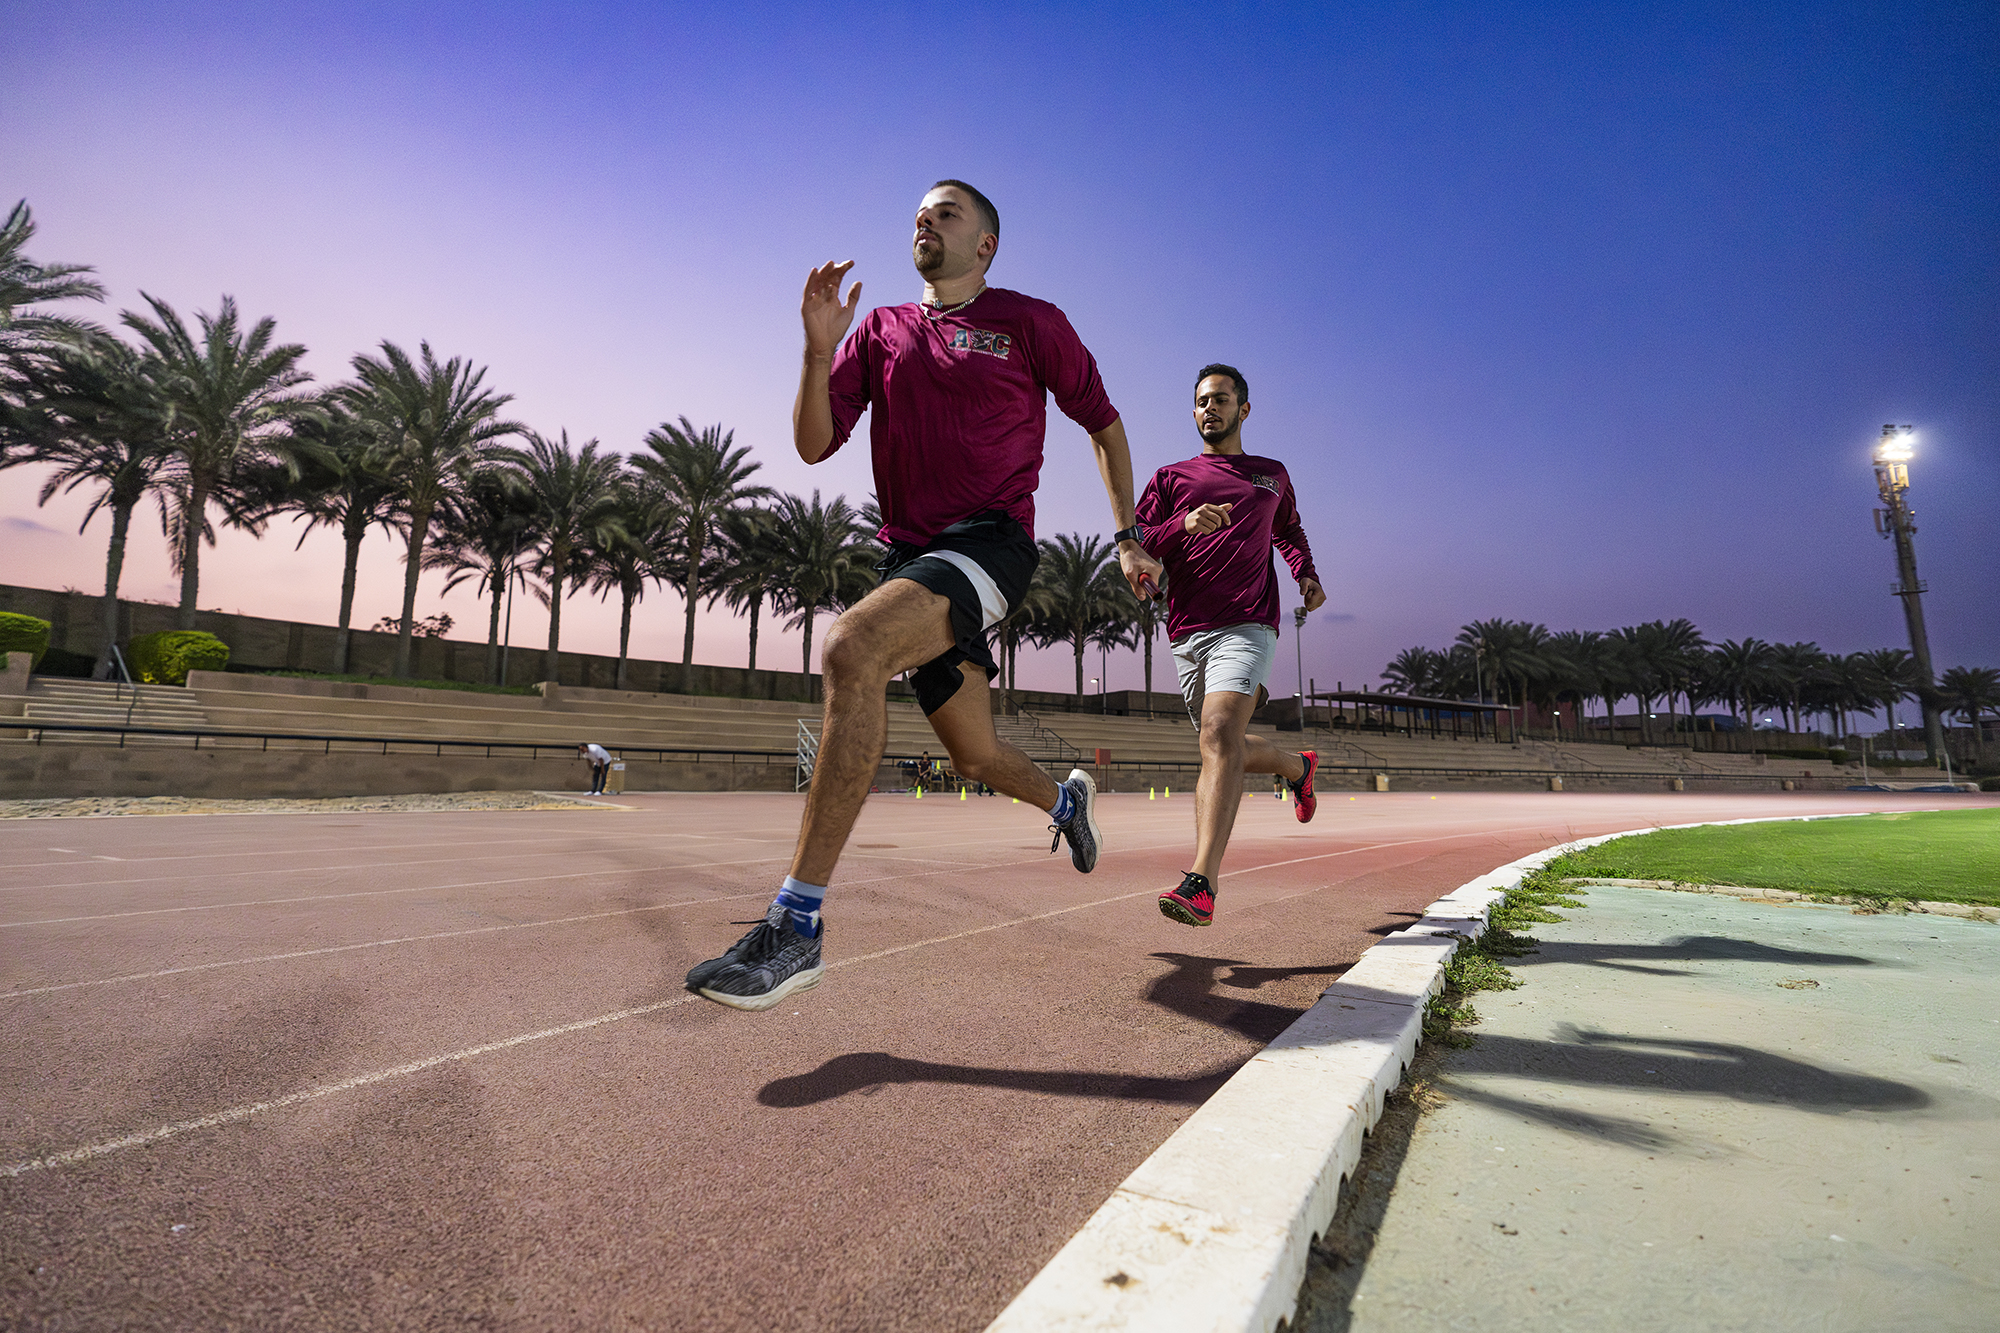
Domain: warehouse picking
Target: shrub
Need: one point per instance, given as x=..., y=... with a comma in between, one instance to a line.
x=1837, y=755
x=23, y=634
x=1989, y=784
x=167, y=657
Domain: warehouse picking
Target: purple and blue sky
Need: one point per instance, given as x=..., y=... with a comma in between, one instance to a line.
x=1582, y=314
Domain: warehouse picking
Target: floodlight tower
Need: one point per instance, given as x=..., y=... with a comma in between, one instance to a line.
x=1898, y=522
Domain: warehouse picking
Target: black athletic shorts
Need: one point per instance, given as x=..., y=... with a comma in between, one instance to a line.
x=983, y=565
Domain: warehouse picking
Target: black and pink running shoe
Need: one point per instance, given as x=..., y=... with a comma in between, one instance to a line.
x=1192, y=904
x=1303, y=800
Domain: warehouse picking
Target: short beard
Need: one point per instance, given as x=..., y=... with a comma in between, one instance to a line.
x=928, y=261
x=1221, y=433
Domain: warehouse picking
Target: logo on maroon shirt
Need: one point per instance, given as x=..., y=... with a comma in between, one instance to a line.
x=980, y=340
x=1268, y=483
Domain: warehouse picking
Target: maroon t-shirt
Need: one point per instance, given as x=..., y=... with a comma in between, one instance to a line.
x=961, y=406
x=1223, y=577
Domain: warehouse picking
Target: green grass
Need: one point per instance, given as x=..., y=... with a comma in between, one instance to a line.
x=1478, y=965
x=1947, y=856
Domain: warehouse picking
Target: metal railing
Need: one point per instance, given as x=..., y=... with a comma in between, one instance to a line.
x=124, y=683
x=1045, y=737
x=808, y=756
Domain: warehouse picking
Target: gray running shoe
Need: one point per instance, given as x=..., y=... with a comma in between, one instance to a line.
x=1086, y=840
x=763, y=967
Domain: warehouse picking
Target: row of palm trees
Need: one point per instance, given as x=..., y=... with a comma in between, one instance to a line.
x=220, y=425
x=1671, y=661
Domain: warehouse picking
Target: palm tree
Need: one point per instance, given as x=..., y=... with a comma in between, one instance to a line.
x=1970, y=692
x=1641, y=655
x=1116, y=628
x=1892, y=677
x=436, y=428
x=1080, y=594
x=1737, y=670
x=25, y=282
x=1024, y=624
x=1677, y=648
x=1846, y=692
x=1795, y=668
x=706, y=477
x=89, y=408
x=575, y=492
x=1512, y=650
x=234, y=402
x=624, y=558
x=334, y=480
x=481, y=537
x=1413, y=671
x=1148, y=617
x=825, y=561
x=1579, y=655
x=751, y=565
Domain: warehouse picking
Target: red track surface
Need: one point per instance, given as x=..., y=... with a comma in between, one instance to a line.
x=998, y=1042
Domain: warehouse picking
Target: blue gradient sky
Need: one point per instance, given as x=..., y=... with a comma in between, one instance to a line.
x=1578, y=314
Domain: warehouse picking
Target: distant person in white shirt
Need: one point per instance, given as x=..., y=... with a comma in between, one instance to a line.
x=600, y=765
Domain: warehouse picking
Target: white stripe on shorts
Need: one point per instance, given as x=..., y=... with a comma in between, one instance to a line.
x=992, y=605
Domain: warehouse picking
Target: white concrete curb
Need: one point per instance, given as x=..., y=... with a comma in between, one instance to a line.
x=1211, y=1233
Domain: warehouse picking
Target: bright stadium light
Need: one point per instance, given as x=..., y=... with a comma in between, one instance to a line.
x=1898, y=522
x=1897, y=445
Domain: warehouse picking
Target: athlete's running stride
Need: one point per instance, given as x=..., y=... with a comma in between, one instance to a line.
x=1214, y=520
x=958, y=384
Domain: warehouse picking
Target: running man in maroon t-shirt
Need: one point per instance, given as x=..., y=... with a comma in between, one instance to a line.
x=1213, y=520
x=958, y=385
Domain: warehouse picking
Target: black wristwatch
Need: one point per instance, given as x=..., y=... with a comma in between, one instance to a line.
x=1131, y=534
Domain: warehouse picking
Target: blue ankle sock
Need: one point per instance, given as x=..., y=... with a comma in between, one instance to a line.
x=1064, y=807
x=801, y=901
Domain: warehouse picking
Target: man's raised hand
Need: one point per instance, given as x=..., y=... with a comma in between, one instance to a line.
x=1207, y=518
x=826, y=319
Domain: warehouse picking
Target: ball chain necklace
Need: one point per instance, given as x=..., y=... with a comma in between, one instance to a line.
x=939, y=311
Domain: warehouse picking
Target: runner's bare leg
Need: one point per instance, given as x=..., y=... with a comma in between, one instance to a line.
x=1228, y=751
x=899, y=625
x=965, y=725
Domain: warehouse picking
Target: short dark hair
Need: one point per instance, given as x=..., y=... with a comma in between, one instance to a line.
x=1235, y=375
x=988, y=212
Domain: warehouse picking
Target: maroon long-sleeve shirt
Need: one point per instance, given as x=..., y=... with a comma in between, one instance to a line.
x=1224, y=577
x=961, y=406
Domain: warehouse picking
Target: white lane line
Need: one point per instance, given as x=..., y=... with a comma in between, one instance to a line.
x=629, y=838
x=605, y=873
x=104, y=1147
x=450, y=934
x=342, y=868
x=373, y=944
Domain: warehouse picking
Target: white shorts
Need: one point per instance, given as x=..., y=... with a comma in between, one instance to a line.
x=1235, y=658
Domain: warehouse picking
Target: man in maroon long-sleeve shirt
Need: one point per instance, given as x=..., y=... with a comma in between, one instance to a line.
x=958, y=384
x=1213, y=521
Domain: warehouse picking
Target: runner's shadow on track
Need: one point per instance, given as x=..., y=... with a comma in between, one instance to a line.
x=1391, y=927
x=1189, y=990
x=1689, y=949
x=866, y=1072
